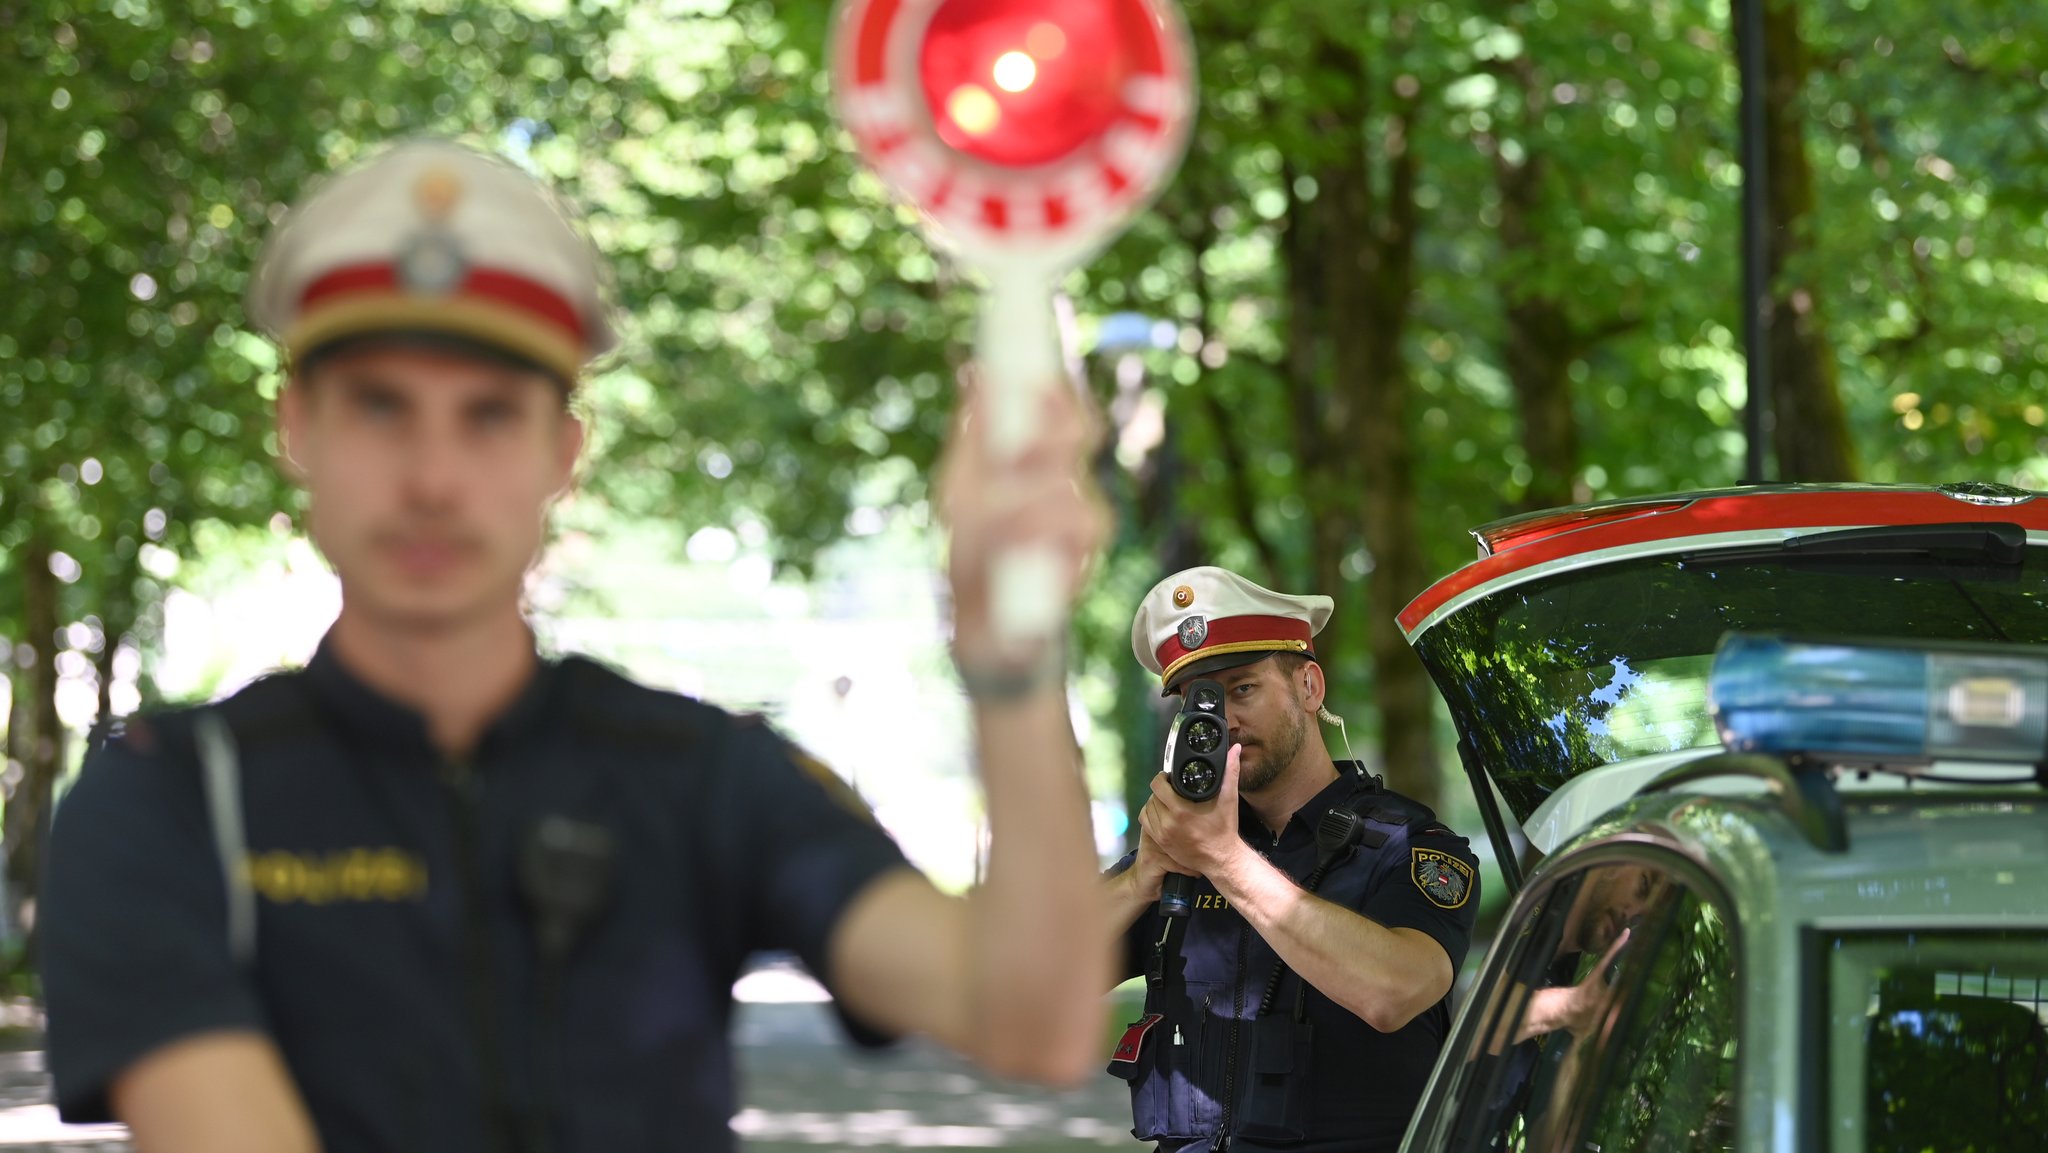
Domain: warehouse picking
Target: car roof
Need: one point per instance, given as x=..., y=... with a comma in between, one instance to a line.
x=1959, y=858
x=1583, y=800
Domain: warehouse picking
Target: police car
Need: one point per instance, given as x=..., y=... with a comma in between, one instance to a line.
x=1780, y=751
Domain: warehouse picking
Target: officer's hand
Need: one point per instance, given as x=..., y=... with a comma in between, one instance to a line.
x=1200, y=835
x=1584, y=1000
x=1573, y=1009
x=1043, y=496
x=1148, y=872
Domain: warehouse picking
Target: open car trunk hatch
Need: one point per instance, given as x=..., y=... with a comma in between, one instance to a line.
x=1592, y=650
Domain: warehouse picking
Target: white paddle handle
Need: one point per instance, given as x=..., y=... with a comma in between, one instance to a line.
x=1017, y=351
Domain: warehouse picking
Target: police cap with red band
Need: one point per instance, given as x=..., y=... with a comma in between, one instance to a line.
x=435, y=240
x=1201, y=620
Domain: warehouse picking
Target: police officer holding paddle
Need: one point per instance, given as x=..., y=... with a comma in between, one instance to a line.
x=439, y=892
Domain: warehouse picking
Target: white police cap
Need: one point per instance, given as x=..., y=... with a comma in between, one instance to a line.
x=436, y=239
x=1204, y=619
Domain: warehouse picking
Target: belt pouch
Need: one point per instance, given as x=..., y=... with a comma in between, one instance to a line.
x=1276, y=1091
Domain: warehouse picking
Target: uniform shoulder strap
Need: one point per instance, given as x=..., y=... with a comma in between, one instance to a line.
x=269, y=710
x=1370, y=801
x=220, y=774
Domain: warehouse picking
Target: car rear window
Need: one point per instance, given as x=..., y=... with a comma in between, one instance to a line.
x=1937, y=1041
x=1563, y=674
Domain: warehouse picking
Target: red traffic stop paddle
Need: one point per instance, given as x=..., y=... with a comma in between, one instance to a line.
x=1026, y=133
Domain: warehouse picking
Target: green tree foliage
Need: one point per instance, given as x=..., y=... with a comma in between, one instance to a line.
x=1932, y=247
x=793, y=346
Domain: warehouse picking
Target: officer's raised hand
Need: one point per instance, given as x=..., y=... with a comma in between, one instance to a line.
x=993, y=503
x=1013, y=975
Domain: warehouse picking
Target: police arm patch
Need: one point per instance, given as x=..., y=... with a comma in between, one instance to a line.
x=1442, y=877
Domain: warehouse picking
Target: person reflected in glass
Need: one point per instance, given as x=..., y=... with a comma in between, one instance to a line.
x=1546, y=1022
x=1600, y=920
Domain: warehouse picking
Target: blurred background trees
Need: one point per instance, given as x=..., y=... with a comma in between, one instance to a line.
x=1427, y=264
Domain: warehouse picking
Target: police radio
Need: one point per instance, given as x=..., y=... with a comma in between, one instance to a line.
x=1197, y=747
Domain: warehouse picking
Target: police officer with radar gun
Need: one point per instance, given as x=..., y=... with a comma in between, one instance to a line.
x=440, y=892
x=1297, y=924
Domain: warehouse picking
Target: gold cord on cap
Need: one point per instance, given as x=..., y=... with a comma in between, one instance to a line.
x=1167, y=674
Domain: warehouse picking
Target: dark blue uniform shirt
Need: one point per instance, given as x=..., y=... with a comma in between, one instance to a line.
x=396, y=963
x=1307, y=1075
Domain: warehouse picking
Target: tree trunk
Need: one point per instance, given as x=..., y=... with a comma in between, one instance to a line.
x=1323, y=428
x=1368, y=280
x=1538, y=346
x=1538, y=358
x=37, y=735
x=1320, y=417
x=1811, y=438
x=1232, y=451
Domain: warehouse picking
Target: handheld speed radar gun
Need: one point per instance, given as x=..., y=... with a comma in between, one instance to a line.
x=1197, y=748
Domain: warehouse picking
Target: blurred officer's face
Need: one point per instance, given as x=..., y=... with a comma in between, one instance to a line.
x=430, y=475
x=1270, y=706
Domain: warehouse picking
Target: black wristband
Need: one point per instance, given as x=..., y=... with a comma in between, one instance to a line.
x=998, y=684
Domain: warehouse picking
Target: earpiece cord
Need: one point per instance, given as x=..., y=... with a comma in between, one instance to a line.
x=1329, y=718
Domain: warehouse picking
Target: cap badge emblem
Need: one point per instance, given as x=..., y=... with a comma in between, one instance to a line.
x=1192, y=632
x=1183, y=597
x=432, y=263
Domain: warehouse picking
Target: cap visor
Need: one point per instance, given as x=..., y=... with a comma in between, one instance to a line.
x=425, y=340
x=486, y=323
x=1218, y=663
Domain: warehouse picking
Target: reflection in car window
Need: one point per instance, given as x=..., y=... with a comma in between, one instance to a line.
x=1570, y=672
x=1670, y=1081
x=1936, y=1041
x=1617, y=1003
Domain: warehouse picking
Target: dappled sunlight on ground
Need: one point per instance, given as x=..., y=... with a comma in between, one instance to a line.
x=803, y=1089
x=899, y=1129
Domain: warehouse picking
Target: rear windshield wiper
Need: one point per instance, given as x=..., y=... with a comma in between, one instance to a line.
x=1970, y=543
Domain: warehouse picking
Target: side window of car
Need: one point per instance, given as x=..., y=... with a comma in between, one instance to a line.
x=1669, y=1080
x=1936, y=1040
x=1618, y=989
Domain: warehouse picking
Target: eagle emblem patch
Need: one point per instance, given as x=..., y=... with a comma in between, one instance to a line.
x=1443, y=878
x=1193, y=631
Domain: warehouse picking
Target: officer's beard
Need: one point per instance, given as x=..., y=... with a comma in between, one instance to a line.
x=1274, y=755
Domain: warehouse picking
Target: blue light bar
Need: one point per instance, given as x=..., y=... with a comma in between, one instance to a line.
x=1864, y=702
